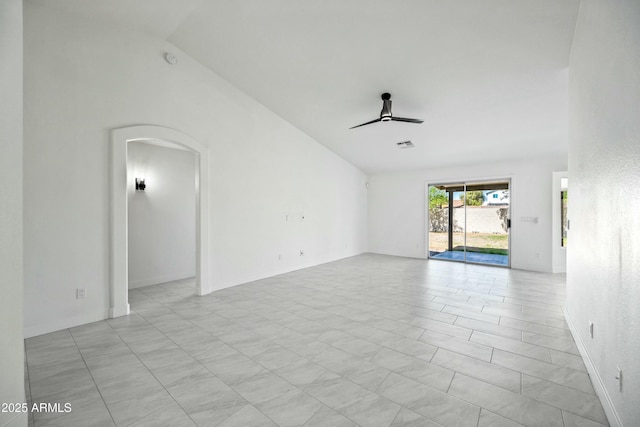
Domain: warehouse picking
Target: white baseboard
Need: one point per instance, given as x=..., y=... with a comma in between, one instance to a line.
x=119, y=311
x=596, y=379
x=35, y=330
x=159, y=279
x=312, y=262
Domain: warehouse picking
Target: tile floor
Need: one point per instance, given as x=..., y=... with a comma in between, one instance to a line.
x=367, y=341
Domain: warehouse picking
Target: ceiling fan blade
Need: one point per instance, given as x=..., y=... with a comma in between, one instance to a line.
x=402, y=119
x=368, y=123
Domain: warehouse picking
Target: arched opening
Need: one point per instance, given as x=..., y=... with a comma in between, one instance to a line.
x=119, y=301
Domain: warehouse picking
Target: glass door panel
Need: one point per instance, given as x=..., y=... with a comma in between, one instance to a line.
x=470, y=222
x=446, y=221
x=438, y=223
x=459, y=226
x=487, y=231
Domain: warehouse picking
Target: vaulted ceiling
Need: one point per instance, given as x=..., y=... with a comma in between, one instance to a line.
x=488, y=77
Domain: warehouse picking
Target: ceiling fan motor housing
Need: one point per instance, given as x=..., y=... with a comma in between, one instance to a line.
x=385, y=114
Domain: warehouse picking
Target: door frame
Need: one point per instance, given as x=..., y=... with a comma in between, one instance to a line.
x=120, y=137
x=558, y=252
x=507, y=178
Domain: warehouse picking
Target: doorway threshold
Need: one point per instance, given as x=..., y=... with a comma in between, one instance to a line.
x=475, y=257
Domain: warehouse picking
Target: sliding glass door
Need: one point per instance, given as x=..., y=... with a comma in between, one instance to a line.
x=469, y=221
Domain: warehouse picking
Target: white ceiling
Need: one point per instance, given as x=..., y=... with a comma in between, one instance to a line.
x=488, y=77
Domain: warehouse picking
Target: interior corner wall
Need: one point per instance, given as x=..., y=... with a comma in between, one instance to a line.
x=162, y=218
x=12, y=388
x=397, y=208
x=84, y=78
x=603, y=265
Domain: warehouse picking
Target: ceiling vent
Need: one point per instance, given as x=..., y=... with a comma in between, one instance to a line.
x=405, y=144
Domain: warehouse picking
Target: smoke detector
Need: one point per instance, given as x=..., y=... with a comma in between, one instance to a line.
x=405, y=144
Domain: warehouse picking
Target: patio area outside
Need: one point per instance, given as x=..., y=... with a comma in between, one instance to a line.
x=469, y=222
x=486, y=248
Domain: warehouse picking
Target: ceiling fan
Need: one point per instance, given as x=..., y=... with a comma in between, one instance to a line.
x=385, y=114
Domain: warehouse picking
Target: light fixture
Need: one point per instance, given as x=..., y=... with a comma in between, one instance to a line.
x=140, y=185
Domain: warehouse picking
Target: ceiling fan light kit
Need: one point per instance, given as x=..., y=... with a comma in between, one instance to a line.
x=385, y=114
x=405, y=144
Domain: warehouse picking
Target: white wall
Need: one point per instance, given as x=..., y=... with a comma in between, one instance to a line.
x=162, y=218
x=479, y=219
x=84, y=78
x=11, y=275
x=603, y=266
x=397, y=217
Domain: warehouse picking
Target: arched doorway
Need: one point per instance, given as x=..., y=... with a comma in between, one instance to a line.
x=120, y=137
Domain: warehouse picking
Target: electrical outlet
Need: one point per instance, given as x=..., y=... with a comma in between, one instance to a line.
x=80, y=293
x=591, y=329
x=619, y=377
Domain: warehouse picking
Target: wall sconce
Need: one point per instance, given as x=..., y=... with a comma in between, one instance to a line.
x=140, y=185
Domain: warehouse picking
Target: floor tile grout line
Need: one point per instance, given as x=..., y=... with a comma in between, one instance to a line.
x=314, y=414
x=198, y=362
x=541, y=347
x=150, y=371
x=542, y=361
x=28, y=379
x=274, y=373
x=92, y=378
x=557, y=407
x=504, y=416
x=418, y=339
x=545, y=379
x=451, y=382
x=396, y=414
x=212, y=373
x=556, y=383
x=297, y=332
x=383, y=381
x=400, y=303
x=445, y=393
x=283, y=291
x=483, y=380
x=582, y=416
